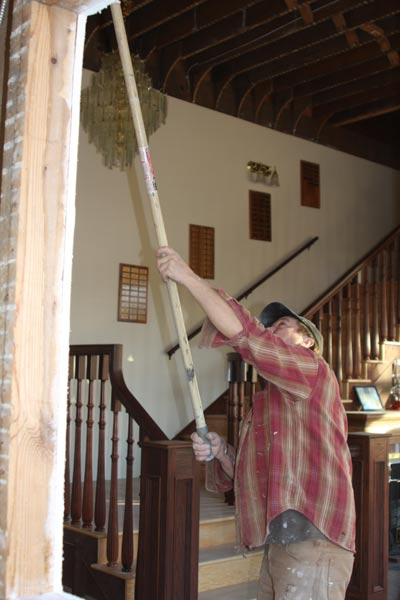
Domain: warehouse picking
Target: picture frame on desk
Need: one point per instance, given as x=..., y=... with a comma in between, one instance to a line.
x=368, y=397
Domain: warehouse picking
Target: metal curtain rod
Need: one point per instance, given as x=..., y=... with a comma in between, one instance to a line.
x=251, y=289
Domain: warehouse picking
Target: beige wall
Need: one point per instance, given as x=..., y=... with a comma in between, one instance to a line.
x=200, y=159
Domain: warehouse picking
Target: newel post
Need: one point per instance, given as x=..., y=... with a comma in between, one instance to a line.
x=168, y=546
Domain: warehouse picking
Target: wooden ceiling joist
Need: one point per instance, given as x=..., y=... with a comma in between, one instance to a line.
x=358, y=85
x=317, y=75
x=373, y=109
x=241, y=56
x=357, y=100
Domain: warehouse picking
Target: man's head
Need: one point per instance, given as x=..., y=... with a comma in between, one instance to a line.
x=291, y=327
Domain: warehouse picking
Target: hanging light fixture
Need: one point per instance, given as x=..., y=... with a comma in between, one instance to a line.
x=106, y=115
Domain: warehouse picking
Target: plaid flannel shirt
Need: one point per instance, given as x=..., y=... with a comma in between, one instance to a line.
x=293, y=451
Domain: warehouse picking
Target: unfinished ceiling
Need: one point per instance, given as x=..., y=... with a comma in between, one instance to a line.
x=324, y=70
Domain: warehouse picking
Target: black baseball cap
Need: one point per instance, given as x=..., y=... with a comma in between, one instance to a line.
x=275, y=310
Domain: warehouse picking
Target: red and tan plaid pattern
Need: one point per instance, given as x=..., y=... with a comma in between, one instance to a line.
x=293, y=451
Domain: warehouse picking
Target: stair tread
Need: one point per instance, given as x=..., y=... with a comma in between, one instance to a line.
x=115, y=570
x=224, y=552
x=242, y=591
x=213, y=507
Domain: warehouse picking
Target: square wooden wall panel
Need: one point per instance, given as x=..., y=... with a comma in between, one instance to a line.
x=201, y=250
x=133, y=293
x=260, y=216
x=310, y=184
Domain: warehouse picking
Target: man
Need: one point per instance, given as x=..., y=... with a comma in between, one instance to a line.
x=292, y=469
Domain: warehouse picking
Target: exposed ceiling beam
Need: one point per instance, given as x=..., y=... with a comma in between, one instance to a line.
x=318, y=34
x=380, y=107
x=296, y=65
x=334, y=49
x=360, y=99
x=320, y=71
x=258, y=42
x=365, y=80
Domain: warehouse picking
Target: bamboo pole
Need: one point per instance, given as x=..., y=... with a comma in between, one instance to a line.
x=152, y=193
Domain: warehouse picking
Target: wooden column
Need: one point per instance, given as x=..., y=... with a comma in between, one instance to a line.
x=51, y=50
x=168, y=546
x=369, y=452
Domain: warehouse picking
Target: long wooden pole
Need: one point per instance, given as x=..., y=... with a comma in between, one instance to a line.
x=152, y=193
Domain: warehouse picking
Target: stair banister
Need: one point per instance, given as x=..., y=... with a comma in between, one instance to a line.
x=97, y=565
x=365, y=318
x=352, y=272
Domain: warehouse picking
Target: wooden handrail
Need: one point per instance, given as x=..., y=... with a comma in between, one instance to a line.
x=350, y=274
x=253, y=287
x=148, y=427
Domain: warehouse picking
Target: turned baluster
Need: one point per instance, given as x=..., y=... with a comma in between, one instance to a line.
x=112, y=529
x=67, y=481
x=357, y=329
x=392, y=292
x=235, y=376
x=349, y=340
x=366, y=319
x=397, y=253
x=100, y=503
x=328, y=342
x=241, y=401
x=236, y=367
x=127, y=535
x=384, y=304
x=339, y=363
x=397, y=272
x=318, y=319
x=251, y=379
x=375, y=319
x=76, y=497
x=87, y=508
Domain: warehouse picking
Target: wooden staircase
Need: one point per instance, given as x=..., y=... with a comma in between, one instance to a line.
x=224, y=570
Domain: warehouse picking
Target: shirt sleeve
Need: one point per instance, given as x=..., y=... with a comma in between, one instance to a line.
x=216, y=478
x=292, y=368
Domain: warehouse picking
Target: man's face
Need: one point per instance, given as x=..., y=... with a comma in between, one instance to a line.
x=287, y=328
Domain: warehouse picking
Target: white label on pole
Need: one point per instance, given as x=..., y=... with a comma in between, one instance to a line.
x=148, y=169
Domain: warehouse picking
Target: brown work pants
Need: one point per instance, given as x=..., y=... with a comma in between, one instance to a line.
x=309, y=570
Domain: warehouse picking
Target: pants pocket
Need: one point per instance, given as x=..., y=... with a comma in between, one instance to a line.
x=339, y=573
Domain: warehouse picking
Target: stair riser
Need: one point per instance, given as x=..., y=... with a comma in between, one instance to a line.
x=221, y=573
x=215, y=533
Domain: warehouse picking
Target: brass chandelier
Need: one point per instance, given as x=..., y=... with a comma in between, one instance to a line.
x=106, y=114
